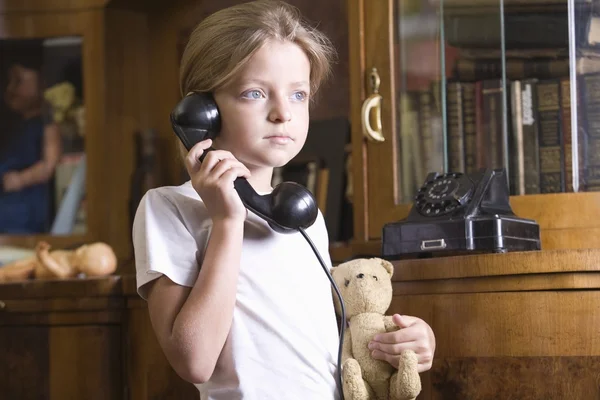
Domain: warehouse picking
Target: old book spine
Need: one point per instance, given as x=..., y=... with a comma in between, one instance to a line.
x=531, y=149
x=492, y=122
x=565, y=114
x=455, y=143
x=481, y=140
x=469, y=126
x=551, y=137
x=426, y=131
x=517, y=159
x=590, y=88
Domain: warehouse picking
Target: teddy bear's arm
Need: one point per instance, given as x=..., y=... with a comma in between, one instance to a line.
x=390, y=326
x=347, y=346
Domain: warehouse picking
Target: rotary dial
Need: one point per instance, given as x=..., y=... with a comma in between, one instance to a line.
x=444, y=194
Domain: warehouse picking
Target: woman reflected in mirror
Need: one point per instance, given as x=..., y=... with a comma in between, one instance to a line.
x=28, y=157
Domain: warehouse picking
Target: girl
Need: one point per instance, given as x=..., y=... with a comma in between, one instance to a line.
x=240, y=310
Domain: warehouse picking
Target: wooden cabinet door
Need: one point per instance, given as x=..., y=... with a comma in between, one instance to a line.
x=395, y=59
x=61, y=362
x=371, y=47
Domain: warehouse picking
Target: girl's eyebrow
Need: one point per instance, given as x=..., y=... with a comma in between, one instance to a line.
x=300, y=83
x=265, y=83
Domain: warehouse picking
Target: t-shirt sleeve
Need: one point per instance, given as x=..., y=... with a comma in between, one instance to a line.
x=162, y=243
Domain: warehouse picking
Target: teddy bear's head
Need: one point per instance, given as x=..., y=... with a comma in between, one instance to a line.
x=61, y=97
x=365, y=285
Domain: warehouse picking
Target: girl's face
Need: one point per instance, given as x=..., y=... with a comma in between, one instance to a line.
x=264, y=110
x=22, y=92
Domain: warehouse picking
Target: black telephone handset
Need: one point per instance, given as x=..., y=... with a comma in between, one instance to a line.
x=289, y=207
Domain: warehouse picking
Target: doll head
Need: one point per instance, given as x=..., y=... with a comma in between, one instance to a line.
x=96, y=259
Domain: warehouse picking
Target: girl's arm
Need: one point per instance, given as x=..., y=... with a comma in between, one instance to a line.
x=192, y=324
x=43, y=169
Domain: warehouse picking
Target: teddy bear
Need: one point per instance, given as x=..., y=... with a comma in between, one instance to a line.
x=94, y=259
x=67, y=109
x=366, y=288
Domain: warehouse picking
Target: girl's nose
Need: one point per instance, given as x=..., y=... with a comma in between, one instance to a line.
x=280, y=112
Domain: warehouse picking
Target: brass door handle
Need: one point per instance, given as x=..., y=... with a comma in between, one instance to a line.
x=371, y=111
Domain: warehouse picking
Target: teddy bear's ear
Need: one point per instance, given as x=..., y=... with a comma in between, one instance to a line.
x=332, y=269
x=388, y=266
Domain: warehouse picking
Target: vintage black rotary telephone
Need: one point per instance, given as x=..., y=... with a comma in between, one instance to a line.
x=289, y=208
x=455, y=213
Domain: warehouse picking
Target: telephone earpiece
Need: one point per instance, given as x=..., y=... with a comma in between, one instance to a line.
x=289, y=207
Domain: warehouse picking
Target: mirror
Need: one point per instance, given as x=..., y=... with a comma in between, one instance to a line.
x=42, y=135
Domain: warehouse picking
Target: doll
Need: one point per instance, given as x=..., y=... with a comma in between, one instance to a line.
x=95, y=259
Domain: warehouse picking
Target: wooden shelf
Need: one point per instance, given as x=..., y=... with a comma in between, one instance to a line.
x=516, y=263
x=518, y=271
x=62, y=288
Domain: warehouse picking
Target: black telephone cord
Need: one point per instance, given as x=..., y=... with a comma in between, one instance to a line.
x=343, y=309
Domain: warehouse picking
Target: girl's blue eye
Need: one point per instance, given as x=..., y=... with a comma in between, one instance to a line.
x=253, y=94
x=299, y=96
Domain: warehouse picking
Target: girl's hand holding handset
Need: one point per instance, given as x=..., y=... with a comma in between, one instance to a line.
x=213, y=181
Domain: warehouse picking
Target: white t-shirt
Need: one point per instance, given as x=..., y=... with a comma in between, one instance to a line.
x=283, y=340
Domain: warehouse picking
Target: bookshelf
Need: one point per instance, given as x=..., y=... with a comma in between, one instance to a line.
x=473, y=84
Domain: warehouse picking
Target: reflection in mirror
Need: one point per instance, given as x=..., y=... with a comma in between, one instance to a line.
x=42, y=131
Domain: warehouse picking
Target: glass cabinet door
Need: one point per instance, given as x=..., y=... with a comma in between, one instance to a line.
x=459, y=85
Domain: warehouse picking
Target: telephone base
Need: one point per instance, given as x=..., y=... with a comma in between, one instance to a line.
x=483, y=233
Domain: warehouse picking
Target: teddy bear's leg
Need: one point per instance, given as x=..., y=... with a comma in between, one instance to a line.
x=406, y=382
x=355, y=387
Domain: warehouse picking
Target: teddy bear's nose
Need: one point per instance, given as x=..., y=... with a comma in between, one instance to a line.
x=360, y=276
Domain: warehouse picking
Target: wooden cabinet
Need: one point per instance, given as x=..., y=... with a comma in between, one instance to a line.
x=82, y=339
x=62, y=340
x=405, y=44
x=517, y=325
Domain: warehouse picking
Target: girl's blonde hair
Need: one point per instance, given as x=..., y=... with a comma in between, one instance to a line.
x=223, y=43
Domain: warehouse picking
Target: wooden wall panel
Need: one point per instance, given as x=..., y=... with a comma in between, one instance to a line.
x=49, y=5
x=128, y=103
